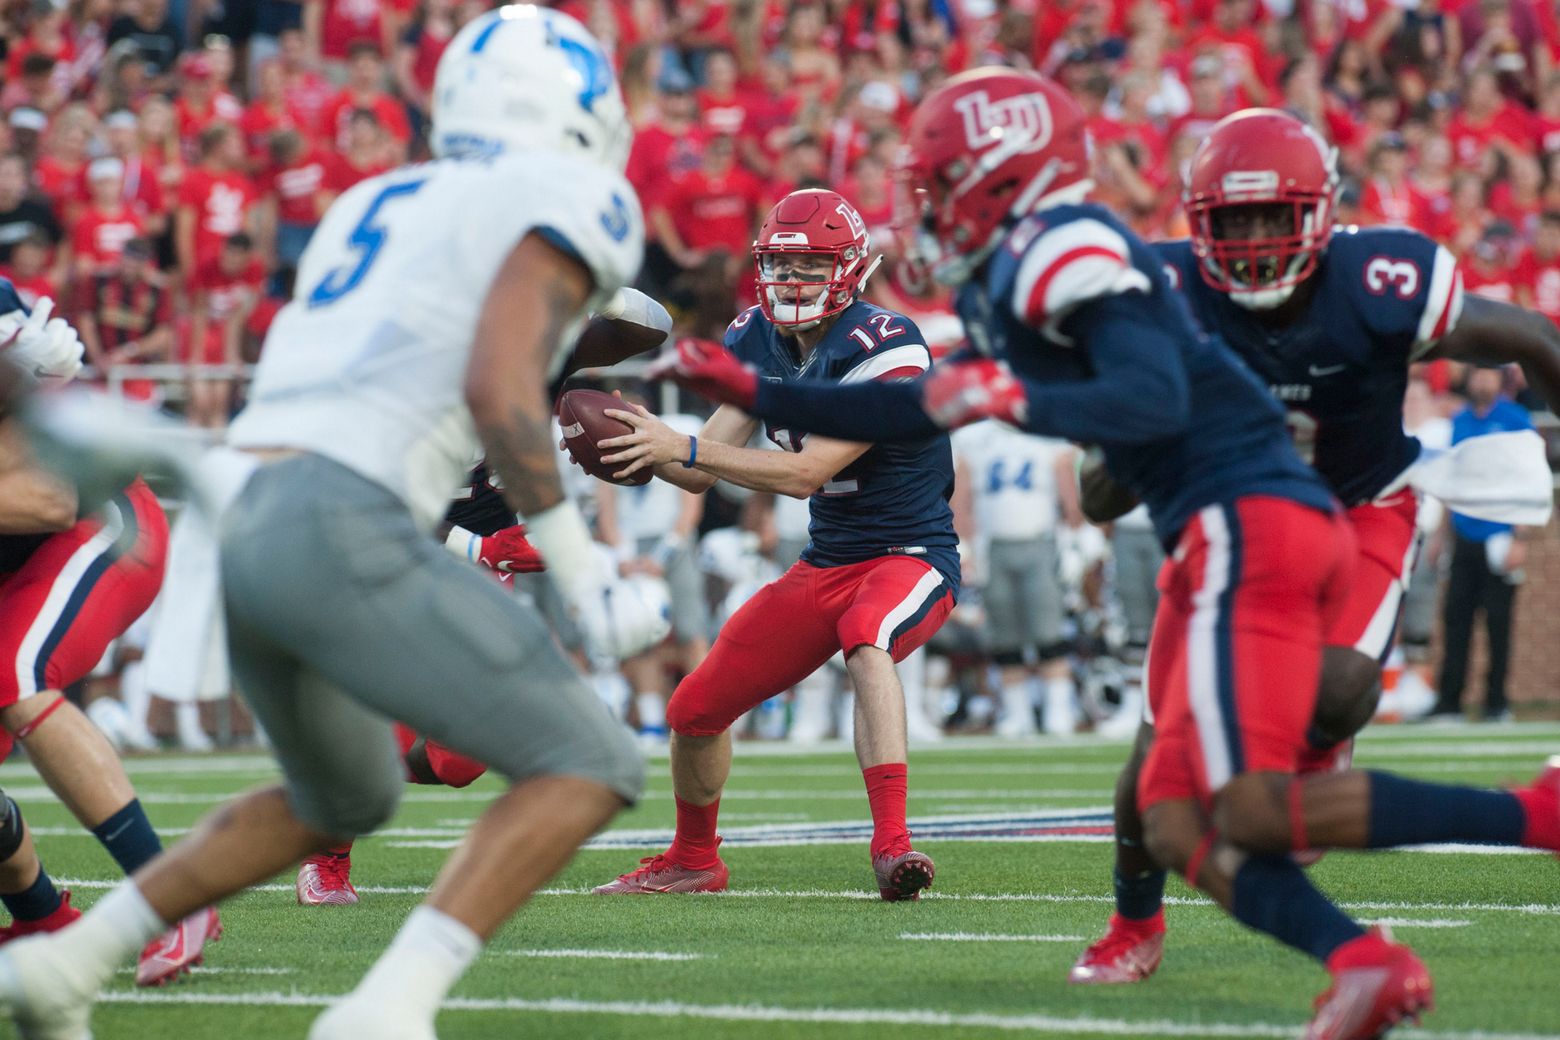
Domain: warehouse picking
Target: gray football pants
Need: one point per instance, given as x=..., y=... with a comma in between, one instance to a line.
x=342, y=616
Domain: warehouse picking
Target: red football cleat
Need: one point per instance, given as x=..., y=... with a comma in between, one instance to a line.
x=63, y=915
x=903, y=876
x=1129, y=952
x=178, y=949
x=1376, y=984
x=659, y=874
x=326, y=880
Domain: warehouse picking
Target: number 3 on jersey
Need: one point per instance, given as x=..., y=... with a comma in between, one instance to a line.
x=368, y=238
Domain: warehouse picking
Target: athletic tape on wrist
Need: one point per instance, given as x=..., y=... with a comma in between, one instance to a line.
x=564, y=541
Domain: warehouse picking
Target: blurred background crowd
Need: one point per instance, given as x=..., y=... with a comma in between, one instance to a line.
x=164, y=162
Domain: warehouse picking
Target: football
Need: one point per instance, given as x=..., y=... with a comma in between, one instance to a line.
x=581, y=413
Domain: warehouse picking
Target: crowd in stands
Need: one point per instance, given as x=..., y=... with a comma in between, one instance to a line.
x=163, y=163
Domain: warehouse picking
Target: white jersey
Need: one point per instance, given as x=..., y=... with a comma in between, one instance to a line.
x=366, y=365
x=1013, y=479
x=650, y=511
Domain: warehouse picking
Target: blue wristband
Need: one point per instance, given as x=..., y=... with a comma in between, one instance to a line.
x=693, y=453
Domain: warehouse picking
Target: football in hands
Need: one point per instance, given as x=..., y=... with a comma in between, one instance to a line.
x=582, y=414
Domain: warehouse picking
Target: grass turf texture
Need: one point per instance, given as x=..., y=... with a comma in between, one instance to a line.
x=828, y=963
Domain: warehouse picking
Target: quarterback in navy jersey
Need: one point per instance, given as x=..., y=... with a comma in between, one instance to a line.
x=1084, y=338
x=880, y=573
x=1330, y=319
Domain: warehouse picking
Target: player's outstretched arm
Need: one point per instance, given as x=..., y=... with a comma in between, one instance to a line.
x=630, y=324
x=537, y=294
x=1495, y=333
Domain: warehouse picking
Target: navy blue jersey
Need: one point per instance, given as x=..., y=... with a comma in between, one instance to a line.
x=479, y=507
x=894, y=498
x=1060, y=298
x=1380, y=298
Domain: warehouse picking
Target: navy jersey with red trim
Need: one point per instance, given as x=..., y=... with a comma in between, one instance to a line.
x=479, y=507
x=15, y=549
x=1380, y=298
x=894, y=498
x=1058, y=294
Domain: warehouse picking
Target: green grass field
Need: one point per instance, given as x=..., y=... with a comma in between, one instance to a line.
x=801, y=947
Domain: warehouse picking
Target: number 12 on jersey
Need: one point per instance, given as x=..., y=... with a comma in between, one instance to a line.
x=367, y=238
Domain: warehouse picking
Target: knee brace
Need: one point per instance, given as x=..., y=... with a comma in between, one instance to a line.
x=11, y=829
x=1052, y=651
x=1007, y=658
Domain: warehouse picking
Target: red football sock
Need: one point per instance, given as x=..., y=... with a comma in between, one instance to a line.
x=888, y=785
x=1542, y=809
x=696, y=840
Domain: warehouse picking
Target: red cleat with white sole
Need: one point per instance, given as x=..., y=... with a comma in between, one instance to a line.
x=63, y=915
x=1377, y=983
x=1129, y=952
x=326, y=880
x=904, y=876
x=657, y=875
x=179, y=949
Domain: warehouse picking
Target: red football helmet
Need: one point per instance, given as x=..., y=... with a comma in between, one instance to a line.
x=987, y=147
x=1261, y=160
x=822, y=225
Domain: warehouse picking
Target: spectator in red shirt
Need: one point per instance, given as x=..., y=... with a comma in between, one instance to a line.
x=418, y=51
x=59, y=169
x=28, y=270
x=142, y=184
x=267, y=114
x=1490, y=270
x=296, y=191
x=771, y=114
x=1546, y=120
x=308, y=92
x=1238, y=47
x=1210, y=101
x=365, y=90
x=667, y=148
x=370, y=152
x=201, y=103
x=126, y=315
x=1516, y=198
x=1538, y=273
x=333, y=27
x=216, y=200
x=801, y=165
x=45, y=35
x=106, y=222
x=159, y=144
x=1387, y=196
x=713, y=208
x=1487, y=122
x=222, y=294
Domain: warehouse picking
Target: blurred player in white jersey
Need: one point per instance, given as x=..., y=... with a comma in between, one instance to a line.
x=434, y=304
x=1021, y=487
x=654, y=529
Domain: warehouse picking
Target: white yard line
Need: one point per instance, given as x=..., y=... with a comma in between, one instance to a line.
x=985, y=937
x=1017, y=1023
x=1414, y=922
x=973, y=897
x=608, y=955
x=201, y=969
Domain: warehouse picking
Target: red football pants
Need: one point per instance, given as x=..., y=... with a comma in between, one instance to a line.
x=793, y=625
x=1245, y=602
x=78, y=593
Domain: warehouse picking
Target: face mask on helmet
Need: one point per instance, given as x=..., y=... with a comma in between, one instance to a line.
x=1259, y=253
x=799, y=288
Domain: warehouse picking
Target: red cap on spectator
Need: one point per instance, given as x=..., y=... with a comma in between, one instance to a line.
x=195, y=66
